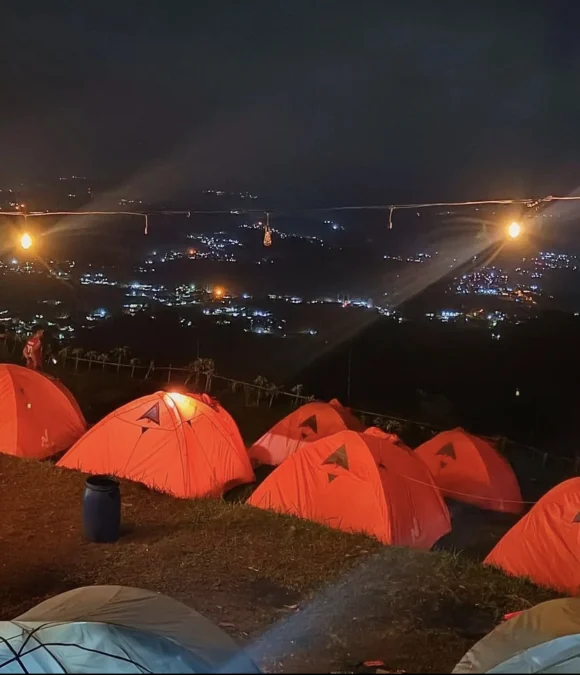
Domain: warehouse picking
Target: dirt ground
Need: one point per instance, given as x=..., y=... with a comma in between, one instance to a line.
x=303, y=598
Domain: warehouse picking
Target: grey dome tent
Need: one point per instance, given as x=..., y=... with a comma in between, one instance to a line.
x=543, y=639
x=116, y=629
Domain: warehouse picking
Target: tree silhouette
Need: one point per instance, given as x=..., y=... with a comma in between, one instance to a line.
x=208, y=369
x=194, y=370
x=273, y=392
x=261, y=384
x=121, y=353
x=298, y=391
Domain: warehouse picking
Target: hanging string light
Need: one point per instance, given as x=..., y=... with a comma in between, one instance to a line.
x=267, y=232
x=532, y=204
x=25, y=238
x=25, y=241
x=141, y=214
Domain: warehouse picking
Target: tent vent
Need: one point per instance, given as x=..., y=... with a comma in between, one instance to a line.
x=310, y=423
x=339, y=458
x=448, y=451
x=152, y=414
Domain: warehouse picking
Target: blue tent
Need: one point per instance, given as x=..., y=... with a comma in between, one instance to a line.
x=115, y=629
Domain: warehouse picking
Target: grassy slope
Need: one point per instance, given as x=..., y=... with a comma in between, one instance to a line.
x=248, y=569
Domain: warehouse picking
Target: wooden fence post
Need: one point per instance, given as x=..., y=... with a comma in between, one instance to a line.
x=150, y=370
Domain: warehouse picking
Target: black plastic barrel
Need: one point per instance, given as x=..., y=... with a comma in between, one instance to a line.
x=101, y=509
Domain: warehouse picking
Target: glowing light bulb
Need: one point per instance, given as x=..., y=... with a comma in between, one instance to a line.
x=176, y=397
x=26, y=241
x=514, y=230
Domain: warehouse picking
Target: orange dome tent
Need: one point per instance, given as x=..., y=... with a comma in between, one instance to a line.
x=306, y=424
x=359, y=483
x=468, y=469
x=187, y=446
x=38, y=415
x=543, y=545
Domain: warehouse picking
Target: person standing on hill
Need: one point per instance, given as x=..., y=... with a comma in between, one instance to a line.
x=32, y=351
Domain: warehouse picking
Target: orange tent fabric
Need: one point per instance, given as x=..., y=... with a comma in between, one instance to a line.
x=468, y=469
x=543, y=545
x=38, y=415
x=187, y=446
x=359, y=483
x=393, y=438
x=306, y=424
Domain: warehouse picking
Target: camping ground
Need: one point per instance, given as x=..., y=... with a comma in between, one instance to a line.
x=302, y=597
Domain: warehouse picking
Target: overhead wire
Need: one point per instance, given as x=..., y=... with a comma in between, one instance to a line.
x=143, y=214
x=388, y=207
x=391, y=208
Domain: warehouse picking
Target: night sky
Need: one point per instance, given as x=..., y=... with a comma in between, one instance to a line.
x=312, y=100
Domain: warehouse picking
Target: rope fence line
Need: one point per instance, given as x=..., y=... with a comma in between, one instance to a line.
x=500, y=441
x=446, y=492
